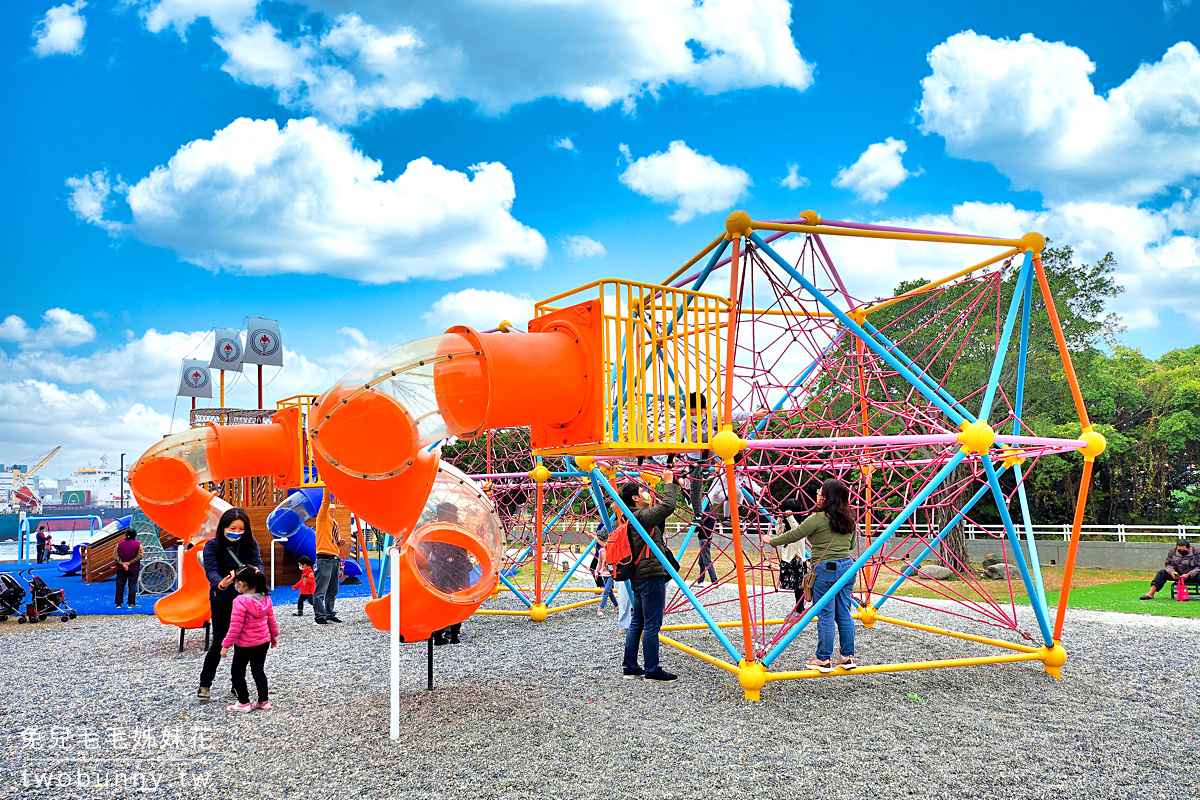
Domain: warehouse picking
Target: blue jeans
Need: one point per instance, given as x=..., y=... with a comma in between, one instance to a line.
x=649, y=597
x=608, y=592
x=326, y=570
x=838, y=609
x=623, y=605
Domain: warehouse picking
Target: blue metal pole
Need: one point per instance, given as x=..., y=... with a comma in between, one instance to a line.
x=863, y=558
x=1035, y=564
x=919, y=371
x=1039, y=609
x=858, y=331
x=570, y=573
x=675, y=576
x=985, y=408
x=911, y=570
x=520, y=595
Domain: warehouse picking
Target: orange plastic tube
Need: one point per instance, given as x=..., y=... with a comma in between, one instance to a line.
x=527, y=379
x=423, y=608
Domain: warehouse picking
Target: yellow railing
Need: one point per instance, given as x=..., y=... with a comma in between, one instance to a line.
x=304, y=402
x=659, y=345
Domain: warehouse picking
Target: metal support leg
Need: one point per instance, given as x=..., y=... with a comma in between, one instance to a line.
x=429, y=663
x=181, y=640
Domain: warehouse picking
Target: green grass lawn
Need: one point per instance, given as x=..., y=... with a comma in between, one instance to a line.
x=1123, y=596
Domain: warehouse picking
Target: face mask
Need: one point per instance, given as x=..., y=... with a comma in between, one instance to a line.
x=233, y=536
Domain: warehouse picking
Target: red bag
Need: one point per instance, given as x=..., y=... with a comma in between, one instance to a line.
x=619, y=554
x=1181, y=592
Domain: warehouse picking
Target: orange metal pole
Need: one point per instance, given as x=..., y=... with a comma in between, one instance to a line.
x=730, y=481
x=1063, y=353
x=1069, y=567
x=1086, y=424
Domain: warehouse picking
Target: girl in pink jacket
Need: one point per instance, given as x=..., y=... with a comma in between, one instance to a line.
x=253, y=629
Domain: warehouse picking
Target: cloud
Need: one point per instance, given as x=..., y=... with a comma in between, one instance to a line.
x=579, y=247
x=794, y=180
x=60, y=31
x=1157, y=252
x=302, y=199
x=59, y=328
x=1029, y=107
x=117, y=399
x=1171, y=6
x=350, y=65
x=482, y=309
x=563, y=143
x=878, y=170
x=693, y=183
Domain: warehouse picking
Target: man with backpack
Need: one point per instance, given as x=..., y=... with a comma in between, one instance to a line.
x=648, y=577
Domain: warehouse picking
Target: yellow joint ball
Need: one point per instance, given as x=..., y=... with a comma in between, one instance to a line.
x=810, y=217
x=504, y=326
x=1012, y=456
x=540, y=474
x=495, y=592
x=1033, y=243
x=859, y=315
x=538, y=612
x=585, y=463
x=727, y=444
x=1054, y=658
x=738, y=224
x=1096, y=443
x=752, y=677
x=866, y=615
x=651, y=479
x=977, y=437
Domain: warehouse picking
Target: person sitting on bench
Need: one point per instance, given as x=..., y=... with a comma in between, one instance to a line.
x=1183, y=564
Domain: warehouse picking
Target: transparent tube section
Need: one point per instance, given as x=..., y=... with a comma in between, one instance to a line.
x=458, y=540
x=379, y=414
x=168, y=471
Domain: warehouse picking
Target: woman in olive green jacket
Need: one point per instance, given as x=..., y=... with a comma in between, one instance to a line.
x=831, y=532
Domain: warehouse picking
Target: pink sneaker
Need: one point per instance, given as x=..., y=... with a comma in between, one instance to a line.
x=265, y=705
x=241, y=708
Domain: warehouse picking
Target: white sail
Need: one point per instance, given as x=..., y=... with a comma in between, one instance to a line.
x=263, y=345
x=227, y=350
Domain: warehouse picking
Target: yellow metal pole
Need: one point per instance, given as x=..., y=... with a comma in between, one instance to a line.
x=940, y=281
x=222, y=388
x=909, y=667
x=573, y=605
x=910, y=237
x=716, y=662
x=956, y=635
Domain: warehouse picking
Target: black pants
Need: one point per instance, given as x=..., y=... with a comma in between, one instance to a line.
x=222, y=609
x=445, y=633
x=1163, y=578
x=256, y=657
x=41, y=554
x=707, y=523
x=696, y=484
x=130, y=578
x=300, y=603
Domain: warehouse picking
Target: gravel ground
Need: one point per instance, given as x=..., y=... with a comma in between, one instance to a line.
x=523, y=710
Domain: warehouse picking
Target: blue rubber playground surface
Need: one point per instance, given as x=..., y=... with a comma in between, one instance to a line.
x=99, y=598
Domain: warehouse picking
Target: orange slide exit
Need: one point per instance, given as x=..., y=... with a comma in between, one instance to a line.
x=372, y=437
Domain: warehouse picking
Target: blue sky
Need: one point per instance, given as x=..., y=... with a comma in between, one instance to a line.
x=178, y=164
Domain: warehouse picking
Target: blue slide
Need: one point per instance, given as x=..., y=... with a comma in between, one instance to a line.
x=73, y=564
x=287, y=520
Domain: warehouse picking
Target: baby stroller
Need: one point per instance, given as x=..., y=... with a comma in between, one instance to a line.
x=46, y=602
x=12, y=596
